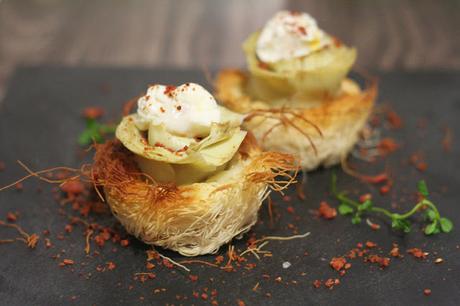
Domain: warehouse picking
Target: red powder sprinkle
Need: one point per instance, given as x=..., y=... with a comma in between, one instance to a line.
x=11, y=217
x=427, y=292
x=363, y=198
x=93, y=112
x=385, y=189
x=290, y=209
x=167, y=264
x=417, y=253
x=370, y=244
x=111, y=266
x=317, y=283
x=395, y=252
x=67, y=262
x=149, y=266
x=124, y=242
x=263, y=65
x=48, y=243
x=73, y=187
x=387, y=146
x=330, y=283
x=327, y=212
x=302, y=30
x=68, y=228
x=204, y=296
x=394, y=120
x=240, y=303
x=193, y=278
x=422, y=166
x=337, y=263
x=169, y=89
x=382, y=261
x=219, y=259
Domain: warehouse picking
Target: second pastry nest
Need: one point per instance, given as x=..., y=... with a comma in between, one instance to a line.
x=319, y=132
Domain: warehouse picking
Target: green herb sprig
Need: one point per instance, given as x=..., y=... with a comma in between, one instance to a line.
x=436, y=223
x=95, y=131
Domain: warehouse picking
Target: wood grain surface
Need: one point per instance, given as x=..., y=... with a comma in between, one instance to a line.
x=389, y=34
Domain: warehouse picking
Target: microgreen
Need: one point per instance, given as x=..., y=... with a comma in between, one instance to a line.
x=94, y=131
x=436, y=223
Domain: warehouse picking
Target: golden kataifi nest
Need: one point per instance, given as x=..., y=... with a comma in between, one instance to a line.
x=192, y=219
x=318, y=131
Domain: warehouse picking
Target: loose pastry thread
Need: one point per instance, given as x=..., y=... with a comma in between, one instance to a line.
x=284, y=120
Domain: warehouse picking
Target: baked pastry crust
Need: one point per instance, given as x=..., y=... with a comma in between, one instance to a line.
x=319, y=132
x=191, y=219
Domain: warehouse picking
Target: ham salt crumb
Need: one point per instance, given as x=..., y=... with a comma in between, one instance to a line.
x=11, y=217
x=337, y=263
x=327, y=212
x=417, y=253
x=370, y=244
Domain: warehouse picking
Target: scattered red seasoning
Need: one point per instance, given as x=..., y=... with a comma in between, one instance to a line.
x=418, y=161
x=48, y=243
x=11, y=217
x=326, y=211
x=204, y=296
x=302, y=30
x=193, y=278
x=382, y=261
x=219, y=259
x=427, y=291
x=387, y=146
x=337, y=42
x=417, y=253
x=393, y=119
x=93, y=112
x=317, y=283
x=110, y=265
x=337, y=263
x=149, y=266
x=330, y=283
x=73, y=187
x=290, y=210
x=263, y=65
x=240, y=303
x=395, y=251
x=67, y=262
x=68, y=228
x=124, y=242
x=363, y=198
x=167, y=263
x=370, y=244
x=385, y=189
x=169, y=89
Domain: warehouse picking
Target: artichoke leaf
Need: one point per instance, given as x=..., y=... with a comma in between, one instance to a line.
x=214, y=150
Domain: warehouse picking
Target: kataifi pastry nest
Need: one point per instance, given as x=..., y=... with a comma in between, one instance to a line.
x=191, y=219
x=318, y=132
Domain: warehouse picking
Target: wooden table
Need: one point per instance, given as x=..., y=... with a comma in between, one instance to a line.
x=208, y=33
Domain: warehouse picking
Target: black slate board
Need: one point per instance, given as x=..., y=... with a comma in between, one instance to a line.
x=40, y=120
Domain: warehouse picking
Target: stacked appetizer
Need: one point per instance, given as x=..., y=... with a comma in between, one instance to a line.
x=183, y=175
x=296, y=96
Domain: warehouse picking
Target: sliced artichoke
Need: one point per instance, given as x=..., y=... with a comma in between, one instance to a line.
x=189, y=164
x=317, y=74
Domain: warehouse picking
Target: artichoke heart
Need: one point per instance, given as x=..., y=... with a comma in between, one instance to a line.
x=160, y=157
x=317, y=74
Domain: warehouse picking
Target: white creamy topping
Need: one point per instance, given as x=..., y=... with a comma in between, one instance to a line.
x=187, y=110
x=289, y=35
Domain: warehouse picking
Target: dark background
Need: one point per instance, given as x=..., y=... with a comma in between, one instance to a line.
x=389, y=35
